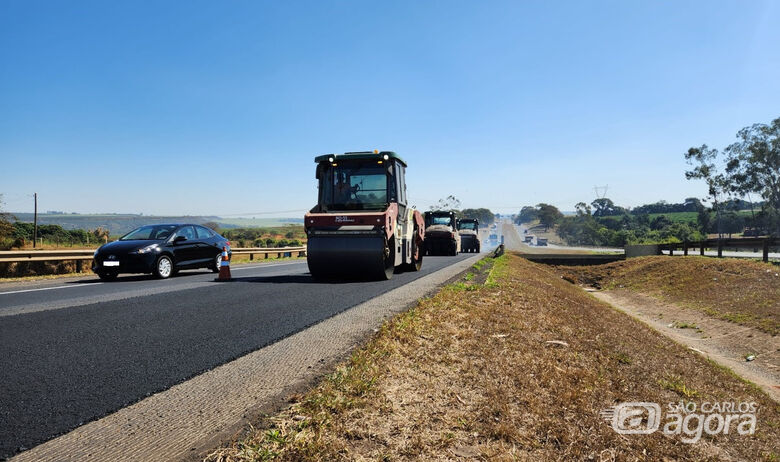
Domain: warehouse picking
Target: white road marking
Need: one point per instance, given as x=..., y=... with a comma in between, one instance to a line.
x=98, y=283
x=48, y=288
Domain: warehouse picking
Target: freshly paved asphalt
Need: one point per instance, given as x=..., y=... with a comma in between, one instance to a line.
x=72, y=352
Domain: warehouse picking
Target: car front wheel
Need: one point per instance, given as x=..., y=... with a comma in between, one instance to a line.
x=164, y=267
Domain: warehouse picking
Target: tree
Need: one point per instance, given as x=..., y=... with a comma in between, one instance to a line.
x=582, y=209
x=100, y=233
x=549, y=215
x=703, y=161
x=604, y=207
x=753, y=164
x=6, y=227
x=212, y=225
x=732, y=222
x=703, y=219
x=485, y=216
x=527, y=214
x=449, y=203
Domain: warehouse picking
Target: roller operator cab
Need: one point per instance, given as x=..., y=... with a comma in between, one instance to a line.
x=441, y=233
x=468, y=228
x=362, y=224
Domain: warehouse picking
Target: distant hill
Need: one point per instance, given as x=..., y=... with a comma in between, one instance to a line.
x=120, y=223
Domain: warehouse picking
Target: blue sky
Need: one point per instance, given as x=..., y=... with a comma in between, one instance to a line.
x=206, y=107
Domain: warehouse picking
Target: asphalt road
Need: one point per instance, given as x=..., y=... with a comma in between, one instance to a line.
x=72, y=352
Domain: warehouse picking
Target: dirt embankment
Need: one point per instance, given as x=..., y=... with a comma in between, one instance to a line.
x=517, y=368
x=744, y=292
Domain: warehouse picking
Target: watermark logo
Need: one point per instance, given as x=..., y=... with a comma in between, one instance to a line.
x=634, y=418
x=688, y=420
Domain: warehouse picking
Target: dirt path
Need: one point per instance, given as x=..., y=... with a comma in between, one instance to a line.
x=724, y=342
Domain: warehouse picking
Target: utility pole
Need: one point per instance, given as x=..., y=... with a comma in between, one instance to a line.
x=35, y=220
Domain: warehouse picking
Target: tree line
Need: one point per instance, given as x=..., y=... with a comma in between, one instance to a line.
x=747, y=169
x=452, y=204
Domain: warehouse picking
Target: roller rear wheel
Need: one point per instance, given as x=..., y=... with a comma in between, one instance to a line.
x=389, y=261
x=417, y=255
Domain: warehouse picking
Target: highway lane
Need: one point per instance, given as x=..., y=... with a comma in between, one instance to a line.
x=66, y=360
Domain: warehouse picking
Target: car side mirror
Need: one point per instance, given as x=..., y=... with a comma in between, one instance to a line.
x=178, y=239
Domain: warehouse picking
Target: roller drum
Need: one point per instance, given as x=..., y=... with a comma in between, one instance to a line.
x=348, y=255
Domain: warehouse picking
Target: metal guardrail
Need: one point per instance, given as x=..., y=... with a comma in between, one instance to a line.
x=763, y=243
x=266, y=251
x=20, y=256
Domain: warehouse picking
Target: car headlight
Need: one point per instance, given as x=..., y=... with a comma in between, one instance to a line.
x=149, y=248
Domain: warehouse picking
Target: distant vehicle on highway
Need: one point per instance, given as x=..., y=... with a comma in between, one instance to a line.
x=161, y=250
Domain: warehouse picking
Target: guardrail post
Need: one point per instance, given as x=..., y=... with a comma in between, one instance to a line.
x=685, y=248
x=701, y=248
x=251, y=256
x=266, y=255
x=720, y=248
x=766, y=251
x=79, y=266
x=671, y=250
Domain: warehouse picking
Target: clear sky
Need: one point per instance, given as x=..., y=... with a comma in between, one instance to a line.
x=205, y=107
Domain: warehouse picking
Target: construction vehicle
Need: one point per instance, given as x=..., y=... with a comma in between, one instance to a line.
x=441, y=233
x=541, y=241
x=468, y=228
x=362, y=224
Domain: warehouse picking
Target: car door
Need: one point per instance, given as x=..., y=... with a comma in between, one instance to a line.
x=207, y=244
x=185, y=252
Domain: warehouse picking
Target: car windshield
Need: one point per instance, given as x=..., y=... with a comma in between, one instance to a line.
x=443, y=220
x=149, y=233
x=468, y=225
x=354, y=186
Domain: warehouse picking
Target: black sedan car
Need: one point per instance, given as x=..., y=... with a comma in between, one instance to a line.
x=161, y=250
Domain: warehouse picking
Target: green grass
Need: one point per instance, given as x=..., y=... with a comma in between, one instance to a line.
x=676, y=384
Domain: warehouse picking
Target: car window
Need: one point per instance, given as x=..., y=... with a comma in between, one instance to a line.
x=150, y=232
x=187, y=232
x=203, y=233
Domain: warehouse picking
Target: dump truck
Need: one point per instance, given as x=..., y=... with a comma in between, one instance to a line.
x=363, y=224
x=441, y=233
x=468, y=228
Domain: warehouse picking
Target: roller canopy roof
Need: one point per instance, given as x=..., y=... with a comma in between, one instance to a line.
x=364, y=155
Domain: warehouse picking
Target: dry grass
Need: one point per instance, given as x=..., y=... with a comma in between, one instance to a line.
x=470, y=373
x=741, y=291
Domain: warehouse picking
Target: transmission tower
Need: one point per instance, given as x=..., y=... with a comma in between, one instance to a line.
x=601, y=191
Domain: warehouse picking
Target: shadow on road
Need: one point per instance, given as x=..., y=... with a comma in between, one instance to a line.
x=301, y=279
x=140, y=277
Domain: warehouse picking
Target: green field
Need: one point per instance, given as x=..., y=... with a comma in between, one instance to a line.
x=682, y=217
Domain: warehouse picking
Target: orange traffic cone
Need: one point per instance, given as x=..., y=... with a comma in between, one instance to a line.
x=224, y=267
